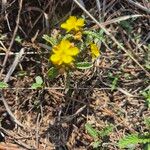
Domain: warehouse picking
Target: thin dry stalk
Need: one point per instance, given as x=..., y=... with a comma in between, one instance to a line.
x=138, y=5
x=13, y=37
x=113, y=38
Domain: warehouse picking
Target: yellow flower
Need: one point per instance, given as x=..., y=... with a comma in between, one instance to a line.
x=63, y=53
x=73, y=24
x=94, y=50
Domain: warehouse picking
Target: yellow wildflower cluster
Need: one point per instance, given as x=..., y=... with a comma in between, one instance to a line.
x=65, y=52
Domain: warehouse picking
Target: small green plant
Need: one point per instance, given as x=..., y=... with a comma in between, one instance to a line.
x=146, y=95
x=127, y=25
x=38, y=83
x=3, y=85
x=76, y=48
x=114, y=81
x=18, y=39
x=131, y=140
x=52, y=72
x=98, y=135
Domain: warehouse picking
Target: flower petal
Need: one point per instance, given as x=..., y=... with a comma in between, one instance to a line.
x=73, y=24
x=66, y=27
x=67, y=59
x=55, y=49
x=65, y=44
x=72, y=19
x=74, y=51
x=80, y=22
x=95, y=50
x=56, y=59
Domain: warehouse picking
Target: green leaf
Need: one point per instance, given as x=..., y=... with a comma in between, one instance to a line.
x=147, y=146
x=39, y=80
x=114, y=84
x=52, y=73
x=91, y=131
x=67, y=36
x=84, y=65
x=22, y=73
x=96, y=35
x=128, y=140
x=133, y=139
x=18, y=39
x=96, y=144
x=127, y=25
x=50, y=39
x=3, y=85
x=36, y=85
x=114, y=81
x=106, y=131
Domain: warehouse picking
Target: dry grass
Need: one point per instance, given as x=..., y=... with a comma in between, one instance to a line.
x=52, y=118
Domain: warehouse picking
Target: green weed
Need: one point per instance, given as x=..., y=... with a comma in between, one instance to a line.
x=98, y=135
